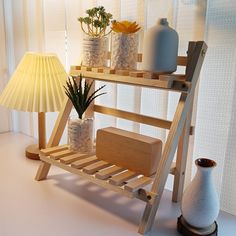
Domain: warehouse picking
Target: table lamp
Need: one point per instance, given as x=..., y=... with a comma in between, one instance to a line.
x=36, y=86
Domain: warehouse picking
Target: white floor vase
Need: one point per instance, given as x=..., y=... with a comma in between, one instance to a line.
x=200, y=203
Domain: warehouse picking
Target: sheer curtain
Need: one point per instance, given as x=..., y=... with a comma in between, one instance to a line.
x=24, y=32
x=4, y=113
x=216, y=122
x=52, y=26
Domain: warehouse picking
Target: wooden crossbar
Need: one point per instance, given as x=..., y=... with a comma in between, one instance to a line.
x=148, y=120
x=133, y=116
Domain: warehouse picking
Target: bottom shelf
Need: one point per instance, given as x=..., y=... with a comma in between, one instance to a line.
x=102, y=173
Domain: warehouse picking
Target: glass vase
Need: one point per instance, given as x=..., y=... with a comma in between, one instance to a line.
x=94, y=51
x=80, y=134
x=124, y=50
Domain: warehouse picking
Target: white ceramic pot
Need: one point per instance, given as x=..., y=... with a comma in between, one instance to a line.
x=124, y=50
x=94, y=51
x=200, y=203
x=80, y=134
x=160, y=48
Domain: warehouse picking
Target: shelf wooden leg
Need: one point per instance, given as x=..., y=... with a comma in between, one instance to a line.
x=55, y=137
x=42, y=171
x=180, y=167
x=148, y=217
x=181, y=160
x=163, y=168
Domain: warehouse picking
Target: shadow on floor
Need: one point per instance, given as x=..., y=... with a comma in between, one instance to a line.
x=128, y=209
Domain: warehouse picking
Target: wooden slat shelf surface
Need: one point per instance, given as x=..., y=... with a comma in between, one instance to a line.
x=72, y=158
x=58, y=155
x=172, y=82
x=138, y=183
x=120, y=178
x=93, y=168
x=55, y=149
x=91, y=178
x=84, y=162
x=108, y=172
x=100, y=172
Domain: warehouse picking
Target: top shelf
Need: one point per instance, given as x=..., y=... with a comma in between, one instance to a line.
x=171, y=82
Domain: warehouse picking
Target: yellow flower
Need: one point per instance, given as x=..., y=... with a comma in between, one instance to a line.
x=126, y=27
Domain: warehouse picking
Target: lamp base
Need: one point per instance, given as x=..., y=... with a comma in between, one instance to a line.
x=187, y=230
x=32, y=152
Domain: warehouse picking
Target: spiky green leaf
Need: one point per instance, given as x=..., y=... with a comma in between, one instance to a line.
x=78, y=93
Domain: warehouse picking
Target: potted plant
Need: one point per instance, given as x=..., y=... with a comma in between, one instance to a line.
x=95, y=44
x=80, y=129
x=124, y=45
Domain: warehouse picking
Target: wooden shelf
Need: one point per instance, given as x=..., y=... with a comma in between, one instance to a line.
x=170, y=82
x=116, y=178
x=100, y=172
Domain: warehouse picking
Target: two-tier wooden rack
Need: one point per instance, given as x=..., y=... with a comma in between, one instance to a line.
x=116, y=178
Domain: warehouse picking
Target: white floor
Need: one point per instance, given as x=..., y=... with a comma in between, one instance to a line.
x=65, y=205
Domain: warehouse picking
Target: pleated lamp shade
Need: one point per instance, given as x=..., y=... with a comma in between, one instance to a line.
x=36, y=85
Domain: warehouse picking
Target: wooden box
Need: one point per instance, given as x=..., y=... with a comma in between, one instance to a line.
x=133, y=151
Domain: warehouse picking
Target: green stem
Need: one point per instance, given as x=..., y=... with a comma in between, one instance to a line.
x=92, y=26
x=83, y=29
x=102, y=32
x=90, y=31
x=107, y=33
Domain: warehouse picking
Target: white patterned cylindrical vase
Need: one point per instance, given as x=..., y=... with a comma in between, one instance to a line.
x=200, y=203
x=160, y=49
x=124, y=50
x=80, y=134
x=94, y=51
